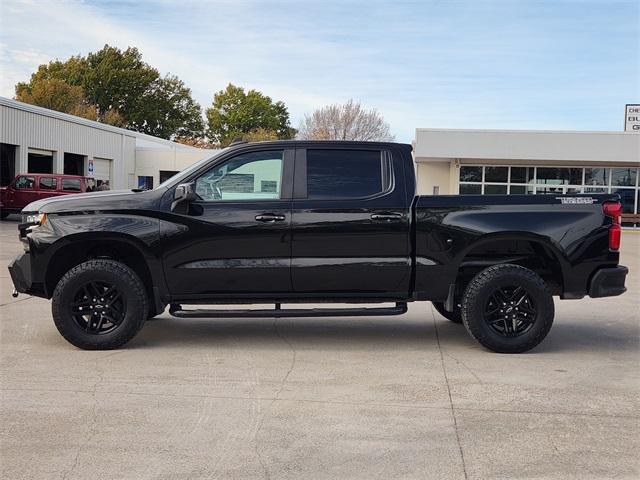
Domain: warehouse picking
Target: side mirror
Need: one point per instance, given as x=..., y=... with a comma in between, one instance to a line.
x=182, y=197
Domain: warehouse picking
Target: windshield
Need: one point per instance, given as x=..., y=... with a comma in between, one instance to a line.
x=190, y=169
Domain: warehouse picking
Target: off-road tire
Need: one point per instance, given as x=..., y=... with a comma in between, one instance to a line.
x=455, y=316
x=129, y=285
x=474, y=303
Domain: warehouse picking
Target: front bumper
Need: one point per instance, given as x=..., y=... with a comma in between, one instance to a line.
x=20, y=271
x=608, y=282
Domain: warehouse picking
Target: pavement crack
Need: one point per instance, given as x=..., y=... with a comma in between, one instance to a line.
x=465, y=366
x=453, y=410
x=16, y=301
x=294, y=355
x=94, y=414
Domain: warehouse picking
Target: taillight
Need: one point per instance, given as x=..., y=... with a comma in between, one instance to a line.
x=614, y=237
x=614, y=210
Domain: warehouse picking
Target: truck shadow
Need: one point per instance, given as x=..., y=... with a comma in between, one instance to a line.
x=345, y=333
x=265, y=333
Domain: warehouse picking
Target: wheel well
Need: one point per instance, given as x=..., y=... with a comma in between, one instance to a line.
x=535, y=256
x=78, y=252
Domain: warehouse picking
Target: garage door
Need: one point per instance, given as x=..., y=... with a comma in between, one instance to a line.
x=102, y=170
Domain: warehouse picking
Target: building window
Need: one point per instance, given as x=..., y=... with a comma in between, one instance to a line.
x=525, y=180
x=145, y=183
x=470, y=189
x=167, y=174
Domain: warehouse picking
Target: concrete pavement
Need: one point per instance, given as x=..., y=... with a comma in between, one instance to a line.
x=400, y=397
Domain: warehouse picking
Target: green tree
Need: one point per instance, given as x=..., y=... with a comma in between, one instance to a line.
x=237, y=114
x=125, y=89
x=57, y=95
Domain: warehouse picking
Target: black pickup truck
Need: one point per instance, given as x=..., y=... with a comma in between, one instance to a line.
x=309, y=222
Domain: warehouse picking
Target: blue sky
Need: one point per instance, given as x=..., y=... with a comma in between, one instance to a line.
x=510, y=64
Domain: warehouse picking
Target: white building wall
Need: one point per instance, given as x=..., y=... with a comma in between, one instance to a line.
x=149, y=161
x=435, y=174
x=530, y=145
x=38, y=128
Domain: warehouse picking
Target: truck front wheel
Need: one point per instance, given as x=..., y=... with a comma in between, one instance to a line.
x=99, y=305
x=508, y=308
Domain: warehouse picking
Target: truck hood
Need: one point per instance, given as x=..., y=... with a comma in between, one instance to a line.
x=105, y=200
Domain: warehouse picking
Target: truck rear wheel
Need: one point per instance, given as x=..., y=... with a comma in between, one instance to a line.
x=508, y=308
x=455, y=316
x=99, y=305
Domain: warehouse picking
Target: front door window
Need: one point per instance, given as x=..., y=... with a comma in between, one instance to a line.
x=251, y=176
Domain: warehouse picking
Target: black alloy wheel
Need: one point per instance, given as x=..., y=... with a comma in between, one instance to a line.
x=98, y=307
x=510, y=311
x=100, y=304
x=508, y=308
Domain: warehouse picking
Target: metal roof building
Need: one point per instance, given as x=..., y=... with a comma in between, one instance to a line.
x=38, y=140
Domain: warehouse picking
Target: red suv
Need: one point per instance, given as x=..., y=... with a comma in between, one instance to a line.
x=29, y=187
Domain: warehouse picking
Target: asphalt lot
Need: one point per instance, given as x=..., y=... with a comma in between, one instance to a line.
x=400, y=397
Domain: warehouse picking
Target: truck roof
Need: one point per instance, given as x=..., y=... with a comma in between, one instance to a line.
x=318, y=143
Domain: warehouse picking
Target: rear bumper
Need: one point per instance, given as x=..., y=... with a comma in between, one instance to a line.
x=608, y=282
x=20, y=271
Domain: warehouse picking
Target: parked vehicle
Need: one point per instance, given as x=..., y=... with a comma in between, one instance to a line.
x=309, y=222
x=30, y=187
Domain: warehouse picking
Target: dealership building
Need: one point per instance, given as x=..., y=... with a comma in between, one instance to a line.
x=501, y=162
x=479, y=162
x=39, y=140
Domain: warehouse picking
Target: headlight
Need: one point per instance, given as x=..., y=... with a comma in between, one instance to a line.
x=31, y=220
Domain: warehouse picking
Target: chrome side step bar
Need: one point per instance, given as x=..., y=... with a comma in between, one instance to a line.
x=176, y=310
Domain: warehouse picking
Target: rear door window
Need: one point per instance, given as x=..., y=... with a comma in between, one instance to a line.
x=26, y=183
x=47, y=183
x=334, y=174
x=71, y=184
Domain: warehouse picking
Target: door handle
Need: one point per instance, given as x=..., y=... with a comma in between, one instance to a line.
x=386, y=216
x=270, y=218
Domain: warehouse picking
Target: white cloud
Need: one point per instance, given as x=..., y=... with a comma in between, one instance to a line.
x=426, y=64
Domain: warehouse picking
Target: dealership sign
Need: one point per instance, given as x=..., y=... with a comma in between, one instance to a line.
x=632, y=118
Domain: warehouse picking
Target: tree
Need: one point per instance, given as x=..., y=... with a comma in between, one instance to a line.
x=126, y=90
x=260, y=135
x=57, y=95
x=236, y=113
x=196, y=142
x=349, y=121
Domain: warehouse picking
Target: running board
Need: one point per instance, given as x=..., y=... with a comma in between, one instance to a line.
x=176, y=310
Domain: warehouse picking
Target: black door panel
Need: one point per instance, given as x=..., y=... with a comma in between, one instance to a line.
x=232, y=245
x=350, y=245
x=226, y=249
